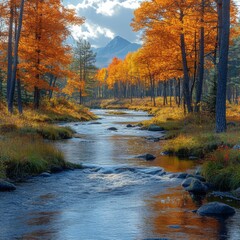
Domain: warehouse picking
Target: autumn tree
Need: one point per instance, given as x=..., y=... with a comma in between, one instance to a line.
x=42, y=51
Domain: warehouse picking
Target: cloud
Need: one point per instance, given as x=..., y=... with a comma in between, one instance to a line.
x=91, y=31
x=105, y=19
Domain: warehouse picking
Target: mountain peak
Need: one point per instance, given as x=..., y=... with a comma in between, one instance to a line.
x=117, y=47
x=118, y=42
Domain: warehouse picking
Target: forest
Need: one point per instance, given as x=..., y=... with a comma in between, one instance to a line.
x=185, y=76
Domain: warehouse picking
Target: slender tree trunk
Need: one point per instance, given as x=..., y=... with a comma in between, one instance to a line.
x=19, y=98
x=201, y=62
x=36, y=100
x=15, y=59
x=179, y=92
x=223, y=69
x=186, y=78
x=164, y=92
x=9, y=54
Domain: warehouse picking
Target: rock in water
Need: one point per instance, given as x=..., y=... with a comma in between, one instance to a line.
x=187, y=182
x=148, y=157
x=182, y=175
x=112, y=129
x=154, y=128
x=45, y=174
x=6, y=186
x=196, y=187
x=56, y=169
x=216, y=209
x=129, y=126
x=94, y=123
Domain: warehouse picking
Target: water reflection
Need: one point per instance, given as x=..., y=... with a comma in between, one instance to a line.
x=173, y=217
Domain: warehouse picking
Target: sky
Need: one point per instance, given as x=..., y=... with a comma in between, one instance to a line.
x=105, y=19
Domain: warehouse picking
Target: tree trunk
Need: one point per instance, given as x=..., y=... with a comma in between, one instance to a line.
x=15, y=59
x=201, y=62
x=20, y=108
x=36, y=99
x=223, y=68
x=9, y=54
x=186, y=78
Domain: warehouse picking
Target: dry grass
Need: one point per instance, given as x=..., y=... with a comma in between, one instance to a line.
x=22, y=149
x=28, y=155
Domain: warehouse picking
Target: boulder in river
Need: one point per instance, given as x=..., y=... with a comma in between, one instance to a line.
x=112, y=129
x=155, y=128
x=148, y=157
x=6, y=186
x=187, y=182
x=153, y=139
x=182, y=175
x=237, y=192
x=56, y=169
x=199, y=177
x=45, y=174
x=216, y=209
x=95, y=123
x=196, y=186
x=129, y=126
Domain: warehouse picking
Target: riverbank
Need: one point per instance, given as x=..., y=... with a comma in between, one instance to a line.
x=193, y=136
x=23, y=148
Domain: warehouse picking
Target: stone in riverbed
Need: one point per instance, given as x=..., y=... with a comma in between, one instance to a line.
x=45, y=174
x=112, y=129
x=166, y=153
x=154, y=128
x=56, y=169
x=194, y=186
x=199, y=177
x=148, y=157
x=153, y=139
x=187, y=182
x=129, y=126
x=216, y=209
x=182, y=175
x=6, y=186
x=94, y=123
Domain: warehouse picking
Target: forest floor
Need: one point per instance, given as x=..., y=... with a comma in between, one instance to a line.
x=193, y=136
x=24, y=150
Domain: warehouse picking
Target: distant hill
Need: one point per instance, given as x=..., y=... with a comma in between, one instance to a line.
x=118, y=47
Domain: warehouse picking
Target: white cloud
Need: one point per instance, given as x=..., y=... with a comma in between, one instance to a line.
x=91, y=31
x=106, y=7
x=104, y=19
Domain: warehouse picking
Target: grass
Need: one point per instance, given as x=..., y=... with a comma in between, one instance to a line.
x=23, y=151
x=222, y=168
x=28, y=155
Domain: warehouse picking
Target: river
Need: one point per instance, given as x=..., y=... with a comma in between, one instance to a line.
x=116, y=195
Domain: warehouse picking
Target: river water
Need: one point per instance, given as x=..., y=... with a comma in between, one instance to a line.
x=116, y=195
